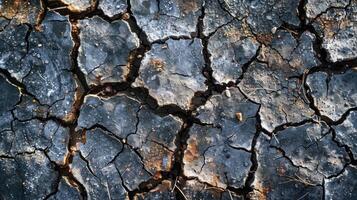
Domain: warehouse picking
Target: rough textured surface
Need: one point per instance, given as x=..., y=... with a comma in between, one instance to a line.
x=167, y=18
x=172, y=72
x=338, y=27
x=104, y=50
x=113, y=7
x=345, y=182
x=346, y=133
x=211, y=160
x=231, y=47
x=333, y=95
x=178, y=99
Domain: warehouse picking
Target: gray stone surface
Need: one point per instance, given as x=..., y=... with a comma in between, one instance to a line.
x=113, y=7
x=150, y=138
x=22, y=177
x=223, y=111
x=104, y=50
x=314, y=149
x=215, y=17
x=65, y=191
x=263, y=16
x=167, y=18
x=208, y=158
x=231, y=47
x=277, y=178
x=333, y=95
x=346, y=133
x=272, y=79
x=42, y=63
x=172, y=72
x=94, y=166
x=314, y=8
x=342, y=187
x=178, y=99
x=338, y=27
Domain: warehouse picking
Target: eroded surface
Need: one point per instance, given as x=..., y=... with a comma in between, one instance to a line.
x=175, y=99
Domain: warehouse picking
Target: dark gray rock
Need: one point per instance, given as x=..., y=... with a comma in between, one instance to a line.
x=209, y=158
x=29, y=136
x=151, y=138
x=342, y=187
x=167, y=18
x=65, y=191
x=118, y=114
x=215, y=17
x=281, y=99
x=131, y=168
x=338, y=28
x=23, y=176
x=333, y=95
x=43, y=63
x=314, y=8
x=277, y=178
x=9, y=98
x=155, y=140
x=172, y=72
x=94, y=166
x=104, y=50
x=265, y=15
x=311, y=146
x=231, y=47
x=346, y=133
x=113, y=7
x=234, y=114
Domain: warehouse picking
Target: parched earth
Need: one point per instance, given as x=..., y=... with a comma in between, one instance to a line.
x=178, y=99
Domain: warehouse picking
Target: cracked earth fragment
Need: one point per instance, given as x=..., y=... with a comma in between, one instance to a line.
x=338, y=28
x=104, y=50
x=167, y=18
x=209, y=158
x=148, y=139
x=231, y=47
x=218, y=153
x=42, y=62
x=173, y=79
x=272, y=79
x=113, y=7
x=21, y=11
x=22, y=176
x=264, y=16
x=277, y=178
x=333, y=95
x=314, y=149
x=346, y=132
x=345, y=182
x=177, y=99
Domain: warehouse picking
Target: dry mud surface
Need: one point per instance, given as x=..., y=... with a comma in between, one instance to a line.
x=178, y=99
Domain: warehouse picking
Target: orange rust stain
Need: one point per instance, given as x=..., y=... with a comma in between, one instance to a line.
x=265, y=38
x=233, y=33
x=281, y=171
x=187, y=6
x=191, y=152
x=158, y=158
x=158, y=64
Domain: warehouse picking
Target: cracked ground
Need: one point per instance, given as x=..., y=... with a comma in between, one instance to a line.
x=178, y=99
